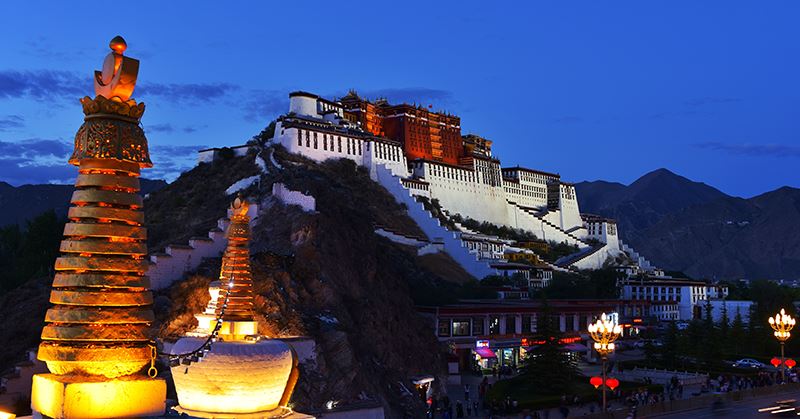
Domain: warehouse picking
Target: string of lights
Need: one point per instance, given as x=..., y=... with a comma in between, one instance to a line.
x=188, y=358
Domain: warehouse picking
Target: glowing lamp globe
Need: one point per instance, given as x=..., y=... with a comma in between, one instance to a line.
x=596, y=381
x=612, y=383
x=790, y=363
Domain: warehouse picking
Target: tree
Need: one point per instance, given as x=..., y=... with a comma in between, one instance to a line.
x=547, y=367
x=737, y=338
x=724, y=330
x=710, y=345
x=669, y=349
x=30, y=253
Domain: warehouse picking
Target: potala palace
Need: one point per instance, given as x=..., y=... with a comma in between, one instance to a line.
x=421, y=155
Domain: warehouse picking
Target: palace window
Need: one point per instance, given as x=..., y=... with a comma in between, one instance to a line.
x=299, y=137
x=340, y=144
x=494, y=325
x=308, y=139
x=315, y=141
x=477, y=326
x=444, y=327
x=461, y=327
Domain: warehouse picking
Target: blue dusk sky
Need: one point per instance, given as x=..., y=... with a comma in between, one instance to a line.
x=591, y=90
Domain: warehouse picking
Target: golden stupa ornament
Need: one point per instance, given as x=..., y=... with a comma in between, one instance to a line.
x=226, y=369
x=97, y=336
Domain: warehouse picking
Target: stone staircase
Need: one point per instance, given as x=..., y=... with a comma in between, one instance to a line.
x=569, y=261
x=540, y=215
x=178, y=259
x=639, y=259
x=438, y=235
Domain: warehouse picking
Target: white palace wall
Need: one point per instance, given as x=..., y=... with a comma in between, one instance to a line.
x=321, y=146
x=459, y=192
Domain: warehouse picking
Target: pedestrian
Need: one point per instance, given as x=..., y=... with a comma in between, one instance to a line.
x=466, y=392
x=459, y=409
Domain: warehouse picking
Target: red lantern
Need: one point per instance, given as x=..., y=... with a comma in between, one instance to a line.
x=790, y=363
x=775, y=362
x=612, y=383
x=596, y=381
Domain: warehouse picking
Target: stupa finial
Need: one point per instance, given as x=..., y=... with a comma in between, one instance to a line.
x=117, y=79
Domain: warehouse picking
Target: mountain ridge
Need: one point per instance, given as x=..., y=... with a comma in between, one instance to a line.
x=692, y=227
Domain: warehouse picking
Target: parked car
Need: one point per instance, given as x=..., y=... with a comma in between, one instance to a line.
x=749, y=363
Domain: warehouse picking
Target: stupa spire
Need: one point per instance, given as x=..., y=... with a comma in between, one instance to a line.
x=235, y=274
x=99, y=328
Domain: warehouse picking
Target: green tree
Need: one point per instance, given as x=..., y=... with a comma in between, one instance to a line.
x=737, y=338
x=547, y=367
x=669, y=349
x=710, y=346
x=724, y=330
x=29, y=253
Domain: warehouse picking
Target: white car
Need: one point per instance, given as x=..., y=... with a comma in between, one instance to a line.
x=749, y=363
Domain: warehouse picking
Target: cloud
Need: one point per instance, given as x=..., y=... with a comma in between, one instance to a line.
x=190, y=129
x=188, y=92
x=776, y=150
x=35, y=161
x=169, y=161
x=711, y=100
x=265, y=105
x=11, y=121
x=159, y=128
x=42, y=84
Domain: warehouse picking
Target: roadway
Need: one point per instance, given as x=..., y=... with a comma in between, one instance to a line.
x=740, y=410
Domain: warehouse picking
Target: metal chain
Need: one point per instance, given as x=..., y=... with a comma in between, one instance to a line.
x=199, y=352
x=152, y=371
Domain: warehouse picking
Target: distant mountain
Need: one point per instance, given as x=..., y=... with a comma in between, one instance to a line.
x=689, y=226
x=645, y=201
x=21, y=203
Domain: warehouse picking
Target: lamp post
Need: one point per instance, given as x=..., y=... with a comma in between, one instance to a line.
x=782, y=323
x=604, y=332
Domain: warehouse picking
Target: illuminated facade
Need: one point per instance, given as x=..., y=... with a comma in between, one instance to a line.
x=241, y=373
x=97, y=336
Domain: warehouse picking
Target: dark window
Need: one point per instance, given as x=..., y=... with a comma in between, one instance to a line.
x=444, y=327
x=511, y=324
x=477, y=326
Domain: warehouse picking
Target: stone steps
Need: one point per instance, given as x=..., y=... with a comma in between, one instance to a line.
x=179, y=259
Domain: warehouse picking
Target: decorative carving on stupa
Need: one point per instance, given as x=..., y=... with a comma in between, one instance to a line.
x=97, y=338
x=224, y=368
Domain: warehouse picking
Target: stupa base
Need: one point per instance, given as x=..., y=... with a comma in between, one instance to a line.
x=278, y=413
x=58, y=396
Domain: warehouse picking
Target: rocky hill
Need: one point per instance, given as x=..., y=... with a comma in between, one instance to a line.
x=22, y=203
x=692, y=227
x=323, y=274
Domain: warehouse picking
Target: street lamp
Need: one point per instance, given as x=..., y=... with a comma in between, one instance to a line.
x=782, y=323
x=604, y=332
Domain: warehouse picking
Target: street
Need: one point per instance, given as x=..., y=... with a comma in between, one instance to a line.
x=740, y=410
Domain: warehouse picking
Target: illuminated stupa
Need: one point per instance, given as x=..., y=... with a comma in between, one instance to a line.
x=224, y=369
x=97, y=339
